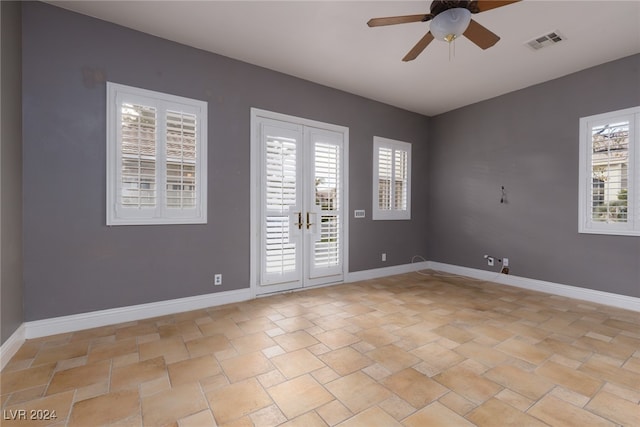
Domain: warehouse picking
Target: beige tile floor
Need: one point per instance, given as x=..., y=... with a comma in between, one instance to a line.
x=408, y=350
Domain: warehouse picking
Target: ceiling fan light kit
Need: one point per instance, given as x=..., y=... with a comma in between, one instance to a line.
x=450, y=24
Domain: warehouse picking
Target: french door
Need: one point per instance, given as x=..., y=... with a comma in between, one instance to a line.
x=299, y=230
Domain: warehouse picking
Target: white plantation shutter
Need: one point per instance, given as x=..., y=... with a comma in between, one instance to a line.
x=280, y=254
x=391, y=177
x=181, y=160
x=327, y=198
x=138, y=148
x=400, y=178
x=156, y=158
x=385, y=175
x=609, y=175
x=280, y=165
x=610, y=172
x=281, y=193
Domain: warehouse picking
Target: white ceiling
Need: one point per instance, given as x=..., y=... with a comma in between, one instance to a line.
x=328, y=42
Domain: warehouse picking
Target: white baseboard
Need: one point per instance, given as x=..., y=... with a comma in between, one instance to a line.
x=95, y=319
x=375, y=273
x=599, y=297
x=11, y=346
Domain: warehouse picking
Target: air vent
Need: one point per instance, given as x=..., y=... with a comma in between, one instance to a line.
x=545, y=40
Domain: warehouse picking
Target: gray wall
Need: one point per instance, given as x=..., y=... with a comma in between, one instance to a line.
x=11, y=170
x=74, y=263
x=528, y=142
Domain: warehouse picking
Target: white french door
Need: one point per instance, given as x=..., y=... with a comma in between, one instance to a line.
x=299, y=222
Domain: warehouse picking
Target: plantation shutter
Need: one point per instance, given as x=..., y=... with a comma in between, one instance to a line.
x=282, y=202
x=385, y=177
x=392, y=189
x=610, y=172
x=138, y=153
x=327, y=196
x=181, y=160
x=400, y=179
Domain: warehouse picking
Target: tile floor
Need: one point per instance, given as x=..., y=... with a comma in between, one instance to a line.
x=408, y=350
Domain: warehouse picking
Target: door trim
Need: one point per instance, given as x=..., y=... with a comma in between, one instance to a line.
x=255, y=158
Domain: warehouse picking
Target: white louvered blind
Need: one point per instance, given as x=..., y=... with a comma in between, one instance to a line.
x=138, y=167
x=327, y=198
x=392, y=186
x=280, y=255
x=385, y=175
x=400, y=180
x=156, y=162
x=610, y=171
x=280, y=193
x=181, y=160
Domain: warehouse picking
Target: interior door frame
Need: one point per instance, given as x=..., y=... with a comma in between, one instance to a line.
x=255, y=192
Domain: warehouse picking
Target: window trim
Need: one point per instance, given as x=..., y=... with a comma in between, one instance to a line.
x=115, y=213
x=390, y=214
x=585, y=223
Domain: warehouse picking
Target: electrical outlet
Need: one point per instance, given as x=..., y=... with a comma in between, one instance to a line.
x=490, y=261
x=505, y=262
x=384, y=256
x=217, y=279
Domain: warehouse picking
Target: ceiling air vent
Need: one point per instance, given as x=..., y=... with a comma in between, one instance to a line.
x=545, y=40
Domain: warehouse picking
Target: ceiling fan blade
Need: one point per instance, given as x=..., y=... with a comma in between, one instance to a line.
x=419, y=47
x=393, y=20
x=480, y=35
x=484, y=5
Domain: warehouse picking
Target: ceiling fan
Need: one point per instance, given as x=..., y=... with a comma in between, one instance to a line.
x=449, y=19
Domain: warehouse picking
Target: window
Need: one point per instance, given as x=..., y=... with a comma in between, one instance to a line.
x=156, y=158
x=391, y=179
x=610, y=173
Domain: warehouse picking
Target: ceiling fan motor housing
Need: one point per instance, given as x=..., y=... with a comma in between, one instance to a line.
x=439, y=6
